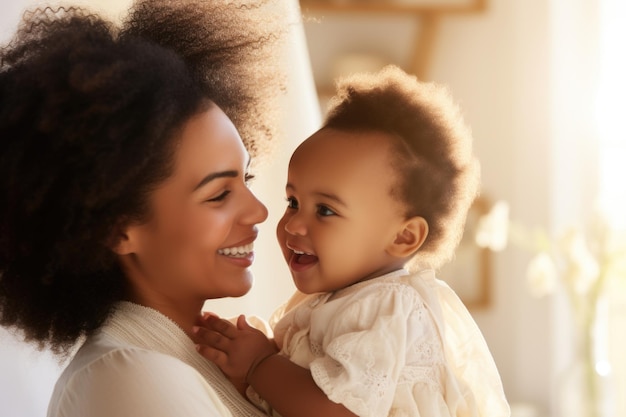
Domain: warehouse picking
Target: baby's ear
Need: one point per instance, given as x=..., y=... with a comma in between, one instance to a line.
x=409, y=238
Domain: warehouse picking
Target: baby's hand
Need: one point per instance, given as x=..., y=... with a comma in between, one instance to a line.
x=237, y=350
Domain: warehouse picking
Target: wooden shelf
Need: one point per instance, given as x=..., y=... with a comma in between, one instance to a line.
x=389, y=6
x=426, y=14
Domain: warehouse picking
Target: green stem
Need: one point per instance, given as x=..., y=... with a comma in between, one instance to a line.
x=590, y=380
x=586, y=310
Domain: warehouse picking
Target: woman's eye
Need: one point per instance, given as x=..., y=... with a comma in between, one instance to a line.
x=325, y=211
x=292, y=203
x=220, y=197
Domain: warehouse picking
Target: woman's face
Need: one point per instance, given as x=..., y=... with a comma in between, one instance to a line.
x=197, y=243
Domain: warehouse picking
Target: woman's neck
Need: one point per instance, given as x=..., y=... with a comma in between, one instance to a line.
x=184, y=314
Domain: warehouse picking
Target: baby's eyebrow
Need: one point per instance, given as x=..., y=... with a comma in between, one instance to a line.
x=332, y=197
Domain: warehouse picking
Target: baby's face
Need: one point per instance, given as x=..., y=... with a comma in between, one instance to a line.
x=341, y=216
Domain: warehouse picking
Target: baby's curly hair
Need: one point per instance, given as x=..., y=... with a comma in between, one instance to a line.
x=437, y=173
x=89, y=115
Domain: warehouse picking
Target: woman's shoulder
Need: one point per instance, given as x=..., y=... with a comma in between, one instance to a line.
x=103, y=350
x=101, y=359
x=114, y=379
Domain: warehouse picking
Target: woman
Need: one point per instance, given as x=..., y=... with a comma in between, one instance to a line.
x=123, y=194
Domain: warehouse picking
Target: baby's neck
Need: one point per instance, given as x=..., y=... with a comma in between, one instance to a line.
x=339, y=292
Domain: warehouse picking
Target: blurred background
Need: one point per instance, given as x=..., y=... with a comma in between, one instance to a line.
x=541, y=83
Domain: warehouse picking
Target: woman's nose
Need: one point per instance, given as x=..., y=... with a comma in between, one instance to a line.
x=256, y=212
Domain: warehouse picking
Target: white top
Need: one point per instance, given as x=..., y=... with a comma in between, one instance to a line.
x=140, y=363
x=398, y=345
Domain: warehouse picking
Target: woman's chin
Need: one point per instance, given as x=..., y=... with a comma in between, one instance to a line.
x=244, y=287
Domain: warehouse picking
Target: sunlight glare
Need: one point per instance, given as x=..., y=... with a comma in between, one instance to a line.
x=610, y=115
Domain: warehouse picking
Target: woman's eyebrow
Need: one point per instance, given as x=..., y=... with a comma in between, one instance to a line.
x=222, y=174
x=215, y=175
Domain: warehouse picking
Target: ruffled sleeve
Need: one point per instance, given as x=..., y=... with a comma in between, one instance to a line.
x=473, y=384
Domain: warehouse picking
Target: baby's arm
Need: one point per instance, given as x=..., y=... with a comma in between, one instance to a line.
x=245, y=354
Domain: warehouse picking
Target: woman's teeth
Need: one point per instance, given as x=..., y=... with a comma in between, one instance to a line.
x=238, y=251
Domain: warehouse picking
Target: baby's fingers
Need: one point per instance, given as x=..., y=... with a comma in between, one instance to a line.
x=212, y=346
x=214, y=355
x=215, y=347
x=221, y=326
x=210, y=338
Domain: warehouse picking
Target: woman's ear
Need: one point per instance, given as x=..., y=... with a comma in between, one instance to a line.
x=123, y=241
x=409, y=238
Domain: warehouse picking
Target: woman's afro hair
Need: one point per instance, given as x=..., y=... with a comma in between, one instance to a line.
x=89, y=113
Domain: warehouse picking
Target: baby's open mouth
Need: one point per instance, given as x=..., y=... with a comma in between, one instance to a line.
x=303, y=258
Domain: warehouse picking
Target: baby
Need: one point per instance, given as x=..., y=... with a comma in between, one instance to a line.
x=376, y=202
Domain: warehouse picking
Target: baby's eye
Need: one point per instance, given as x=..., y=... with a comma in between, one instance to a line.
x=292, y=203
x=325, y=211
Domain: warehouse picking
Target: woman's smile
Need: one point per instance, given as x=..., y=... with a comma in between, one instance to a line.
x=241, y=255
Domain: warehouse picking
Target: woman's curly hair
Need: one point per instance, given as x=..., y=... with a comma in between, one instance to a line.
x=89, y=115
x=437, y=173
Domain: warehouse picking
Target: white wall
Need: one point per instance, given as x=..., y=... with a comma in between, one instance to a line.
x=497, y=65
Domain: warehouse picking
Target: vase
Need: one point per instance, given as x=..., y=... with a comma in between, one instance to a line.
x=584, y=388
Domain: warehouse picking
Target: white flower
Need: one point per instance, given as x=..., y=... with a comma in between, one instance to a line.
x=542, y=275
x=583, y=269
x=493, y=228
